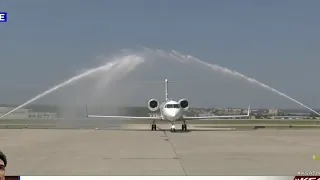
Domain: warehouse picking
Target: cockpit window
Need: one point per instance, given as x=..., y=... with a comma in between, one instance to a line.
x=176, y=106
x=169, y=106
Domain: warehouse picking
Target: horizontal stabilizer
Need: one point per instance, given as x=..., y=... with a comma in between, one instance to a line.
x=158, y=82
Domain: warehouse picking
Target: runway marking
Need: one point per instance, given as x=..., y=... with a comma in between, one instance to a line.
x=174, y=150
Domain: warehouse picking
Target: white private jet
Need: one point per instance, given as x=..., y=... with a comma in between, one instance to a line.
x=170, y=111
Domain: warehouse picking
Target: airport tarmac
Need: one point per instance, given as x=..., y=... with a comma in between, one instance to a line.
x=137, y=152
x=145, y=124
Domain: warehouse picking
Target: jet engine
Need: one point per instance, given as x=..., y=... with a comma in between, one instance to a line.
x=184, y=104
x=153, y=105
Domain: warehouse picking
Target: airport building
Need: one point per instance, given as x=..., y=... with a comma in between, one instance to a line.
x=26, y=114
x=273, y=111
x=42, y=115
x=19, y=114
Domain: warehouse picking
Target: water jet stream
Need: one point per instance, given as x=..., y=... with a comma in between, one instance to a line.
x=189, y=58
x=126, y=61
x=129, y=62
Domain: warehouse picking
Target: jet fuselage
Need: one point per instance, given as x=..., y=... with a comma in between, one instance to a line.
x=171, y=111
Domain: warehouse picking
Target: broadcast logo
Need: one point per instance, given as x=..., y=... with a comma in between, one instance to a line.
x=3, y=17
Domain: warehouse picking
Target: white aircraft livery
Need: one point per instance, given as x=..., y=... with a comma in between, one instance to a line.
x=170, y=111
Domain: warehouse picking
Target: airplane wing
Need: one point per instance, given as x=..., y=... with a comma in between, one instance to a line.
x=217, y=117
x=122, y=117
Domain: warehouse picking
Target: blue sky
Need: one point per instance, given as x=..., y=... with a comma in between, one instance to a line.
x=277, y=42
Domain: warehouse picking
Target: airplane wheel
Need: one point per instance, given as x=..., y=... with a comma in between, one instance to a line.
x=154, y=127
x=184, y=127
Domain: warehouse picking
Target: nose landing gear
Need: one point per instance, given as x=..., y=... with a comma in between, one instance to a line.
x=184, y=127
x=173, y=128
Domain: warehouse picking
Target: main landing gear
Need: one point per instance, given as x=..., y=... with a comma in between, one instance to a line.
x=153, y=126
x=184, y=127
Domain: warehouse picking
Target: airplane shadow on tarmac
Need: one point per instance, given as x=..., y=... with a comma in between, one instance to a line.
x=126, y=129
x=206, y=128
x=177, y=130
x=191, y=130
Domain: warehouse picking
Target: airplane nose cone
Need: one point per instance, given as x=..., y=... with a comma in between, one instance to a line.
x=174, y=112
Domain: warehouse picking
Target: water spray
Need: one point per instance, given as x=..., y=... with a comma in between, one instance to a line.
x=189, y=58
x=130, y=61
x=120, y=62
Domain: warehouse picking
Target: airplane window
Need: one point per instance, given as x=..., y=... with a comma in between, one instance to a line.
x=176, y=106
x=169, y=106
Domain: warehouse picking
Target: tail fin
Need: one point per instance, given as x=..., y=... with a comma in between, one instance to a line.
x=248, y=111
x=160, y=82
x=87, y=114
